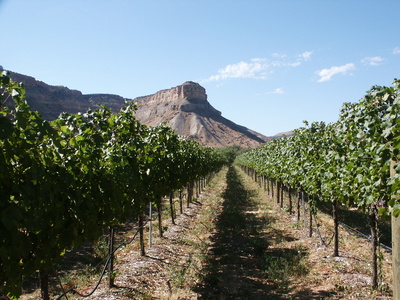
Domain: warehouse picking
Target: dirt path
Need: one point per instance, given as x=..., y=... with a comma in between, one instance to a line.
x=215, y=251
x=234, y=262
x=235, y=242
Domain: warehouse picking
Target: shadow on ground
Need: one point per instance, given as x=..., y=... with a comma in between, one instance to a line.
x=236, y=262
x=240, y=263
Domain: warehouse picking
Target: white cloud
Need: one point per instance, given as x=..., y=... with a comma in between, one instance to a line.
x=396, y=50
x=259, y=68
x=326, y=74
x=259, y=60
x=279, y=55
x=372, y=61
x=306, y=55
x=295, y=64
x=254, y=69
x=277, y=91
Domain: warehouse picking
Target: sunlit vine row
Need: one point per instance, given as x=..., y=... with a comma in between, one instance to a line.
x=62, y=182
x=347, y=162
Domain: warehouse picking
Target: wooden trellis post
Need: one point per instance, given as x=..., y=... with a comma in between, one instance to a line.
x=395, y=249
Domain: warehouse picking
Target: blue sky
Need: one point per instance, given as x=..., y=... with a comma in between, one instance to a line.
x=267, y=65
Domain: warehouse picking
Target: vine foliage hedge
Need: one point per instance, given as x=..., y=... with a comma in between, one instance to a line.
x=344, y=163
x=62, y=182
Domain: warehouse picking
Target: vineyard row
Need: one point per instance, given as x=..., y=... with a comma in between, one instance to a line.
x=62, y=182
x=346, y=163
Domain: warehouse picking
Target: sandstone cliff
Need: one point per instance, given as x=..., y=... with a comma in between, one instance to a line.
x=51, y=100
x=185, y=108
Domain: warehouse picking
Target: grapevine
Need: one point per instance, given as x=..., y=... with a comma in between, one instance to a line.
x=63, y=182
x=345, y=163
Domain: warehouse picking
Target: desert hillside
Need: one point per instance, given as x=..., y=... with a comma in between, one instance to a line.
x=185, y=108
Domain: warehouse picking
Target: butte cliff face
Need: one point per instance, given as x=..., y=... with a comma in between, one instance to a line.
x=168, y=105
x=186, y=109
x=50, y=100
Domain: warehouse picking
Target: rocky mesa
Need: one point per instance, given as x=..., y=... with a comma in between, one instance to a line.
x=50, y=100
x=185, y=108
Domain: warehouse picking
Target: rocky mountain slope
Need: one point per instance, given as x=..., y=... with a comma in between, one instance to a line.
x=51, y=100
x=185, y=108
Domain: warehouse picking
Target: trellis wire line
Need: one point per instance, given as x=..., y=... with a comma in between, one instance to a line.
x=319, y=233
x=347, y=228
x=73, y=291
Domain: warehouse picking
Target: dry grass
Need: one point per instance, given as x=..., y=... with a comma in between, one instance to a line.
x=345, y=277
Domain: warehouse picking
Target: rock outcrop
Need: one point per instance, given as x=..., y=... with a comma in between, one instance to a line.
x=51, y=100
x=188, y=97
x=185, y=108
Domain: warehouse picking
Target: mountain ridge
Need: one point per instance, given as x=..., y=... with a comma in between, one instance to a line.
x=185, y=108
